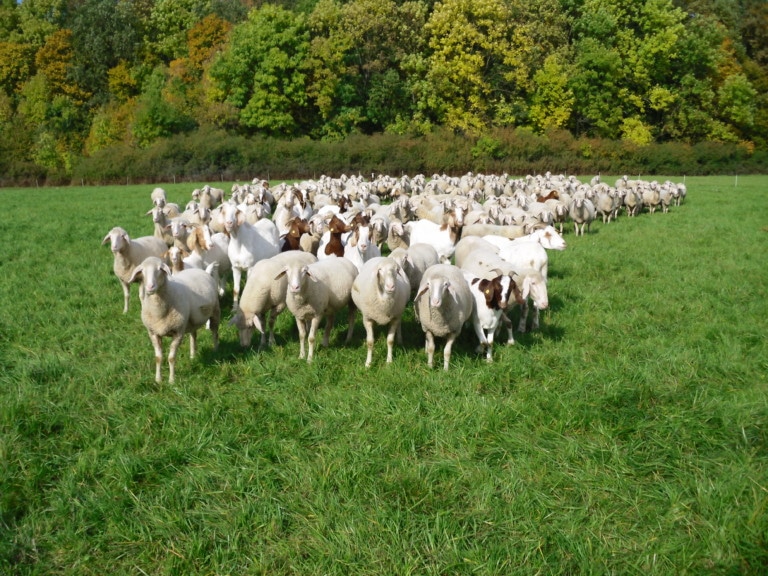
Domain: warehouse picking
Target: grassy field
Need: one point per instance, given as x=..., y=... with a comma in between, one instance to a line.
x=628, y=436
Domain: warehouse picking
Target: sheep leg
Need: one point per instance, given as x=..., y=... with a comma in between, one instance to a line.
x=508, y=323
x=260, y=321
x=126, y=295
x=368, y=340
x=172, y=355
x=302, y=326
x=192, y=343
x=351, y=321
x=394, y=325
x=522, y=325
x=311, y=338
x=329, y=322
x=157, y=344
x=447, y=351
x=535, y=321
x=236, y=274
x=430, y=348
x=489, y=347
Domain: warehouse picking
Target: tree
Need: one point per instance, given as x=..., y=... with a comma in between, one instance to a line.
x=552, y=101
x=477, y=56
x=104, y=33
x=263, y=72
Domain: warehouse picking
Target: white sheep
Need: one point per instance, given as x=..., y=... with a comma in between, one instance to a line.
x=174, y=306
x=414, y=261
x=263, y=297
x=316, y=291
x=130, y=253
x=158, y=197
x=248, y=243
x=582, y=213
x=162, y=223
x=206, y=249
x=442, y=237
x=381, y=291
x=443, y=304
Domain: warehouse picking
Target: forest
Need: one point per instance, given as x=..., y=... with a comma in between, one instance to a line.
x=84, y=82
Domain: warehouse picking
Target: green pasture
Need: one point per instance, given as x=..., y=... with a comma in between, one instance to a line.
x=628, y=436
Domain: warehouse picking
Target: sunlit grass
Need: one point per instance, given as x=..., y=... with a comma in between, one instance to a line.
x=629, y=435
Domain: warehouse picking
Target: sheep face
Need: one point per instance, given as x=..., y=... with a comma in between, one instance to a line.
x=118, y=239
x=152, y=273
x=437, y=289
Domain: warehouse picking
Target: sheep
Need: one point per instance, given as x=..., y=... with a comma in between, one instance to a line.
x=398, y=236
x=162, y=224
x=651, y=196
x=174, y=306
x=442, y=236
x=447, y=306
x=158, y=197
x=206, y=249
x=248, y=243
x=506, y=230
x=582, y=212
x=316, y=291
x=359, y=248
x=547, y=237
x=130, y=253
x=264, y=296
x=414, y=261
x=381, y=291
x=633, y=201
x=210, y=197
x=492, y=296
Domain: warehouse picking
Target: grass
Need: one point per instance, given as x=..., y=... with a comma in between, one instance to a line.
x=628, y=436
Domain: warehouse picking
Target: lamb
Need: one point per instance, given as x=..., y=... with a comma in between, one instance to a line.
x=248, y=243
x=129, y=254
x=174, y=306
x=316, y=291
x=447, y=306
x=264, y=297
x=381, y=291
x=492, y=296
x=582, y=212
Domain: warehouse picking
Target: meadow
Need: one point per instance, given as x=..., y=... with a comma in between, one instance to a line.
x=628, y=436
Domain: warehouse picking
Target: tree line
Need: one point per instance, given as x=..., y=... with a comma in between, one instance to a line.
x=80, y=79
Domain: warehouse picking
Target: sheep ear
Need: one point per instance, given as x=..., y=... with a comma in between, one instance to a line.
x=421, y=292
x=149, y=212
x=137, y=275
x=526, y=288
x=106, y=239
x=281, y=273
x=165, y=268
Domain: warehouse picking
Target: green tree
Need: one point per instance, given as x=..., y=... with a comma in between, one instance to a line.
x=358, y=79
x=262, y=73
x=104, y=33
x=477, y=57
x=552, y=100
x=38, y=19
x=169, y=23
x=156, y=116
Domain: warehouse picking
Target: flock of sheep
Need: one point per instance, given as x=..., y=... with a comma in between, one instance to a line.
x=463, y=250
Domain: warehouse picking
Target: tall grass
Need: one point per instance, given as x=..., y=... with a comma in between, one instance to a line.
x=629, y=435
